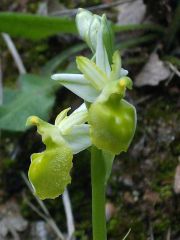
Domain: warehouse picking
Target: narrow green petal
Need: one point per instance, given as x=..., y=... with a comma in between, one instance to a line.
x=116, y=66
x=79, y=116
x=61, y=116
x=92, y=72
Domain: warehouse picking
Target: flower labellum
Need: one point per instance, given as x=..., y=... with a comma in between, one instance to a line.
x=113, y=124
x=49, y=172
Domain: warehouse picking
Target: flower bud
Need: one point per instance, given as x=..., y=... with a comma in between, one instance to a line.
x=83, y=21
x=89, y=24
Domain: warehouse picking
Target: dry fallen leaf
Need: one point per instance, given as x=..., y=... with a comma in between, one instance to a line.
x=177, y=180
x=131, y=13
x=153, y=72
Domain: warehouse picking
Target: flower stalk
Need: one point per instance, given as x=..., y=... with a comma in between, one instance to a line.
x=106, y=121
x=98, y=174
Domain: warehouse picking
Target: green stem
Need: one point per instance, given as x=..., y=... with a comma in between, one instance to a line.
x=98, y=175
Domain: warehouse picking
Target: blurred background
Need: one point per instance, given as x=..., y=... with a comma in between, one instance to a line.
x=144, y=187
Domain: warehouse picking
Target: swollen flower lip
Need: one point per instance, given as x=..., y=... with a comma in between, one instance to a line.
x=113, y=124
x=49, y=171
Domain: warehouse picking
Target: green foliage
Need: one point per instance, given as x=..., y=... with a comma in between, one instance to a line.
x=136, y=41
x=133, y=27
x=9, y=95
x=36, y=96
x=52, y=64
x=37, y=27
x=174, y=27
x=34, y=26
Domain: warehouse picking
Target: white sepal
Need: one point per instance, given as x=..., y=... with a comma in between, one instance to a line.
x=78, y=85
x=78, y=138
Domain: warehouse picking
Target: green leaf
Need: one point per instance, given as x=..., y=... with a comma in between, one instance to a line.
x=52, y=64
x=34, y=26
x=174, y=27
x=35, y=98
x=29, y=81
x=38, y=27
x=9, y=94
x=136, y=41
x=134, y=27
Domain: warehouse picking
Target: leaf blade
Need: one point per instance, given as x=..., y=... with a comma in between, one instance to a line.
x=52, y=64
x=34, y=26
x=33, y=99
